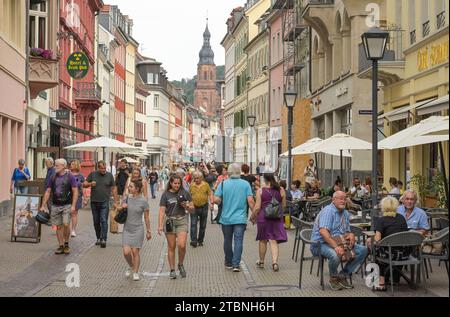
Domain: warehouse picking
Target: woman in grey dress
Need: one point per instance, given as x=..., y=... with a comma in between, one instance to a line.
x=133, y=232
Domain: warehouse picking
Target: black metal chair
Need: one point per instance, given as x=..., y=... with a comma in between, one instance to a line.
x=360, y=239
x=305, y=237
x=441, y=223
x=299, y=225
x=410, y=239
x=435, y=213
x=440, y=237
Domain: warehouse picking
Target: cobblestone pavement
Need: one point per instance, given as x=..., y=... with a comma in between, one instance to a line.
x=33, y=270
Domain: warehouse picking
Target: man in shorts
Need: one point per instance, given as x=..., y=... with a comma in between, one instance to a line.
x=63, y=190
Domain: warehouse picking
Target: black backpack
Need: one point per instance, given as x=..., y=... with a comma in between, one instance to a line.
x=66, y=194
x=274, y=209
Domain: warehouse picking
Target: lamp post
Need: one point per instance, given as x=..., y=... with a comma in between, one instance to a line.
x=290, y=98
x=251, y=120
x=375, y=41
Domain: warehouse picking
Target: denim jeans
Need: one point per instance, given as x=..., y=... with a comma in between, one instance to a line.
x=100, y=213
x=334, y=261
x=21, y=190
x=202, y=213
x=153, y=189
x=233, y=257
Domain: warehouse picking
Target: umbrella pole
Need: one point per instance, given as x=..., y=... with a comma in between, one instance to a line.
x=441, y=150
x=342, y=174
x=315, y=157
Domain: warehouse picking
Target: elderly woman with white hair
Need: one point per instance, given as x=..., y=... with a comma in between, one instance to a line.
x=236, y=197
x=391, y=222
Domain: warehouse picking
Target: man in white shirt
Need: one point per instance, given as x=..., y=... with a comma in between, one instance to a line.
x=358, y=191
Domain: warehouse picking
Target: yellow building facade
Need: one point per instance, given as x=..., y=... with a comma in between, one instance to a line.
x=416, y=85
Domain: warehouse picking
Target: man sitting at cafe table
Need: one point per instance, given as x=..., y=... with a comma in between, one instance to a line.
x=416, y=218
x=334, y=221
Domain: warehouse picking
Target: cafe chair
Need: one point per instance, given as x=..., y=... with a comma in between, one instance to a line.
x=410, y=239
x=299, y=226
x=360, y=239
x=440, y=237
x=305, y=237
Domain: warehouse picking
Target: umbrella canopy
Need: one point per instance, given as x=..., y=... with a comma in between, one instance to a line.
x=439, y=129
x=102, y=143
x=130, y=160
x=418, y=134
x=310, y=147
x=342, y=141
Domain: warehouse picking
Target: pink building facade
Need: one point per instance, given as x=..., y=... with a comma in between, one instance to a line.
x=276, y=84
x=12, y=103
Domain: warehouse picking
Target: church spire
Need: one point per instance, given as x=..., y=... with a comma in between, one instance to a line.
x=206, y=53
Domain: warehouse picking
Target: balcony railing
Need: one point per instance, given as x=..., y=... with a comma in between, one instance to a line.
x=88, y=91
x=394, y=49
x=412, y=37
x=440, y=20
x=426, y=29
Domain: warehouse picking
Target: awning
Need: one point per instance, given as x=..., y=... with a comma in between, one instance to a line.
x=403, y=112
x=437, y=105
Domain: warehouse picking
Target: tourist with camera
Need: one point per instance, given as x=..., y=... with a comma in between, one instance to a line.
x=175, y=204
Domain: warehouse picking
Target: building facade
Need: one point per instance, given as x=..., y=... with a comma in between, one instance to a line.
x=130, y=90
x=415, y=82
x=13, y=70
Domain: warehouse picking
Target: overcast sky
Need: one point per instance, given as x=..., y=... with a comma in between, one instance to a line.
x=172, y=30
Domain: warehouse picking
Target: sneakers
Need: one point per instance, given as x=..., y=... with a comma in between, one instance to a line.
x=344, y=283
x=182, y=271
x=129, y=272
x=236, y=269
x=136, y=277
x=103, y=244
x=173, y=275
x=98, y=242
x=228, y=266
x=60, y=250
x=200, y=244
x=66, y=249
x=194, y=244
x=335, y=285
x=73, y=234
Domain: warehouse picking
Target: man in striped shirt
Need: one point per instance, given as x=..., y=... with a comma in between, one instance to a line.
x=331, y=222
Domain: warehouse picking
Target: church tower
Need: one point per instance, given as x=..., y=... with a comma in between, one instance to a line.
x=206, y=94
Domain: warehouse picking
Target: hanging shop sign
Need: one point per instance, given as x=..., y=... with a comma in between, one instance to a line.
x=77, y=65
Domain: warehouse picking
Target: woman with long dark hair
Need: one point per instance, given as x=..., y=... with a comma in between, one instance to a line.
x=173, y=221
x=270, y=231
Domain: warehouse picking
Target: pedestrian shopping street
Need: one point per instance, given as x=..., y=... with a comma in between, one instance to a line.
x=30, y=269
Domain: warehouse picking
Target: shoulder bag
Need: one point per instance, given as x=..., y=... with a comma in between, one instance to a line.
x=274, y=210
x=122, y=214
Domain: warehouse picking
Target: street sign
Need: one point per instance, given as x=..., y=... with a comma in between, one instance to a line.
x=62, y=114
x=365, y=112
x=77, y=65
x=138, y=144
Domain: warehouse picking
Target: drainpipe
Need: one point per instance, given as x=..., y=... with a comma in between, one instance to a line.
x=27, y=77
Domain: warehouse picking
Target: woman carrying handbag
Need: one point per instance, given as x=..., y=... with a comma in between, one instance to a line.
x=133, y=232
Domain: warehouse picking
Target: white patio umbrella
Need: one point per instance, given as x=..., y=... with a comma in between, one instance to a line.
x=418, y=134
x=343, y=142
x=130, y=160
x=310, y=147
x=431, y=130
x=102, y=143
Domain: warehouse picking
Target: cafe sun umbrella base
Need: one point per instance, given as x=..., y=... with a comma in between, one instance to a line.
x=431, y=130
x=343, y=142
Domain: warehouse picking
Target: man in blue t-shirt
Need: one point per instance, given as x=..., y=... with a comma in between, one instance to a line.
x=236, y=197
x=62, y=188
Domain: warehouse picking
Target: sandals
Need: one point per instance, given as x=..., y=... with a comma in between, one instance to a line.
x=275, y=267
x=260, y=264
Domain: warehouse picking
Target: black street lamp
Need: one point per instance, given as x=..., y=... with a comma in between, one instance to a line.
x=290, y=98
x=375, y=41
x=251, y=120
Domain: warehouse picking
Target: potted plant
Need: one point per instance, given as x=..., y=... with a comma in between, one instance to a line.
x=419, y=185
x=40, y=52
x=436, y=187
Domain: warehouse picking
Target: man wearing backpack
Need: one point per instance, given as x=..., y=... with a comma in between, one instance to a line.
x=63, y=190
